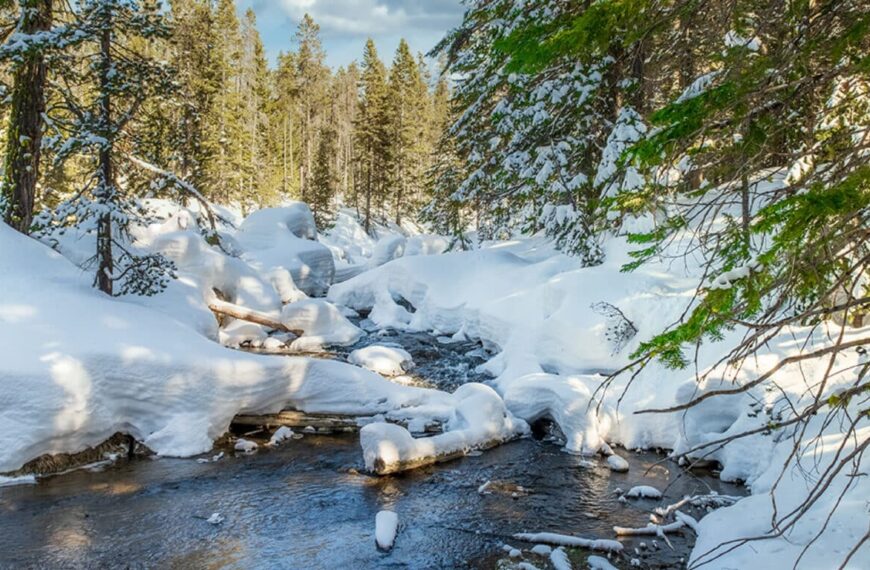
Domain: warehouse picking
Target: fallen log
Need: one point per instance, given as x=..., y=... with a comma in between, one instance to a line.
x=300, y=420
x=388, y=449
x=225, y=309
x=322, y=423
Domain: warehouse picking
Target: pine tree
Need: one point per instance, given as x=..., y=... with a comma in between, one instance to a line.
x=24, y=134
x=312, y=78
x=324, y=180
x=227, y=119
x=110, y=93
x=254, y=88
x=198, y=75
x=371, y=132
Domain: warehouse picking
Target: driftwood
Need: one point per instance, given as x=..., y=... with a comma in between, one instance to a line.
x=226, y=309
x=322, y=423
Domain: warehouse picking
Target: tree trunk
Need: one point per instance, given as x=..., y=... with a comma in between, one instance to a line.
x=107, y=189
x=25, y=124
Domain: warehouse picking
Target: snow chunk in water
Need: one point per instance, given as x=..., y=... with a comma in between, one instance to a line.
x=283, y=433
x=215, y=519
x=599, y=563
x=245, y=445
x=386, y=526
x=386, y=360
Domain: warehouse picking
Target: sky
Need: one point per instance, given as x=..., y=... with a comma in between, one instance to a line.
x=345, y=24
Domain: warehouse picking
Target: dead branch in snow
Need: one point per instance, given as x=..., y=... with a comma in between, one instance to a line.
x=227, y=309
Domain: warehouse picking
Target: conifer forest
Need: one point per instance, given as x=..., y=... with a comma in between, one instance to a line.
x=581, y=284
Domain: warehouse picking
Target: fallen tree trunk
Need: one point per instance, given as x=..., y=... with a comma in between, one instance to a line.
x=382, y=466
x=322, y=423
x=226, y=309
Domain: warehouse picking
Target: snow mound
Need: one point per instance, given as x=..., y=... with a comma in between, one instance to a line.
x=284, y=238
x=79, y=366
x=388, y=248
x=385, y=360
x=321, y=322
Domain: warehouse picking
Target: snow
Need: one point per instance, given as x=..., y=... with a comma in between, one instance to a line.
x=386, y=527
x=281, y=434
x=276, y=239
x=599, y=563
x=559, y=559
x=644, y=492
x=477, y=417
x=79, y=366
x=18, y=480
x=617, y=463
x=215, y=519
x=322, y=324
x=245, y=445
x=385, y=360
x=534, y=309
x=568, y=540
x=542, y=549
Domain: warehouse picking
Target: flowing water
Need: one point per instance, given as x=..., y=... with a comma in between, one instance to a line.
x=307, y=504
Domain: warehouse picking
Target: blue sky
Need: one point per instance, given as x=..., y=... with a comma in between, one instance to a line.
x=345, y=24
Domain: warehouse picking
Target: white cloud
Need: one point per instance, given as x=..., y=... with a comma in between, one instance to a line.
x=374, y=17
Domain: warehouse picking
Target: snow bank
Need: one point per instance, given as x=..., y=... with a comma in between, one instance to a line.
x=385, y=360
x=478, y=419
x=78, y=366
x=285, y=238
x=541, y=312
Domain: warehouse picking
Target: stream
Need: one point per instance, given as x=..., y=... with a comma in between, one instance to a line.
x=308, y=504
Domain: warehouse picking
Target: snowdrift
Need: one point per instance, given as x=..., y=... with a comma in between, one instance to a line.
x=79, y=366
x=556, y=327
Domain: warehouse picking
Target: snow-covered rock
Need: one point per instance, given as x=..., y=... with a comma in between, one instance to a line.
x=388, y=248
x=644, y=492
x=321, y=323
x=245, y=445
x=385, y=360
x=617, y=463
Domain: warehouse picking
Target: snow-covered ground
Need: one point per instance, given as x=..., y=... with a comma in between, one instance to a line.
x=555, y=329
x=77, y=366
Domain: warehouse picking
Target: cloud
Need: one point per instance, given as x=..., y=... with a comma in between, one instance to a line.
x=376, y=17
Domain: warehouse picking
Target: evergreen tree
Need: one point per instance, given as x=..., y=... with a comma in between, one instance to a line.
x=371, y=132
x=198, y=76
x=312, y=80
x=324, y=180
x=24, y=133
x=108, y=98
x=227, y=119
